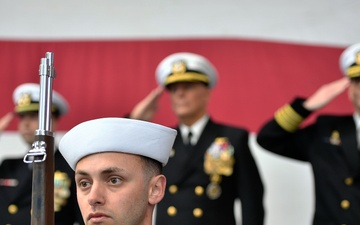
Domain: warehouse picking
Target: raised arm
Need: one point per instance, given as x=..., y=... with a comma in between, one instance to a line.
x=147, y=107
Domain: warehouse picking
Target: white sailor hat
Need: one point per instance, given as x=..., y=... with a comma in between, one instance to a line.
x=186, y=67
x=350, y=61
x=26, y=98
x=117, y=135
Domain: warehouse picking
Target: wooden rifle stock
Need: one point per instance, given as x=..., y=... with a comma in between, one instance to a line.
x=42, y=153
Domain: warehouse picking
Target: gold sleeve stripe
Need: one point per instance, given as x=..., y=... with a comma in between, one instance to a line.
x=288, y=118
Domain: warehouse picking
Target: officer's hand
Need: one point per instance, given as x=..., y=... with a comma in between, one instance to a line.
x=326, y=93
x=5, y=120
x=146, y=108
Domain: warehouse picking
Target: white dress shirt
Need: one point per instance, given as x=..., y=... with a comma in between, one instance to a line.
x=196, y=129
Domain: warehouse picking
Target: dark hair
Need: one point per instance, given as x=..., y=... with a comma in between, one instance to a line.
x=151, y=166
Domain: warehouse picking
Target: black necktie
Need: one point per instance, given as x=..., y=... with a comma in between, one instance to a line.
x=189, y=138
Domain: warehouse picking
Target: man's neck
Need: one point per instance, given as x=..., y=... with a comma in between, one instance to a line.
x=189, y=121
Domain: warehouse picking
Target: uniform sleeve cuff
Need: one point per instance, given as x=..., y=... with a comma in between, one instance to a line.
x=297, y=105
x=290, y=116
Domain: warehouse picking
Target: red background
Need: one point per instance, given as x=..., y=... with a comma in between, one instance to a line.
x=107, y=78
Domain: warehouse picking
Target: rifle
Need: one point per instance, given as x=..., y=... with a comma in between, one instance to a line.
x=42, y=153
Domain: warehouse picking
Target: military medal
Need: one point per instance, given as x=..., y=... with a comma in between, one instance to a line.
x=61, y=190
x=219, y=158
x=219, y=161
x=213, y=190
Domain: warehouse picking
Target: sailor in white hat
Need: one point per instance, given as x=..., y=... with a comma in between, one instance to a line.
x=118, y=165
x=117, y=135
x=16, y=176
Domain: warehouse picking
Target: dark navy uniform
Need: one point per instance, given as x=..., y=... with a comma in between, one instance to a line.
x=204, y=180
x=330, y=145
x=15, y=189
x=201, y=188
x=16, y=176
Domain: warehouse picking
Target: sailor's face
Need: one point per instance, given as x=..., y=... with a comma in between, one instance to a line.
x=112, y=189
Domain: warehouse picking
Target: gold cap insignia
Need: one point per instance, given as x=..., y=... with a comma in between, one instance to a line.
x=24, y=104
x=178, y=67
x=24, y=100
x=180, y=73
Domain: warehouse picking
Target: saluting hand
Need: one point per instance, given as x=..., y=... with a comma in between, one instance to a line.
x=5, y=120
x=146, y=108
x=326, y=93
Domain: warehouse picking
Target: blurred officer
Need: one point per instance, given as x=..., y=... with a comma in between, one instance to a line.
x=331, y=144
x=118, y=166
x=16, y=176
x=211, y=164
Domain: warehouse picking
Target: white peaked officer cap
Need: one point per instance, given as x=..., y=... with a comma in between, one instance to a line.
x=350, y=61
x=117, y=135
x=26, y=98
x=186, y=67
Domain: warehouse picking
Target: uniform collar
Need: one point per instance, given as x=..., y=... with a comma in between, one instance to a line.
x=357, y=121
x=196, y=129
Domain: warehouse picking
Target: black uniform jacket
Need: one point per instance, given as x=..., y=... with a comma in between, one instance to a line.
x=15, y=193
x=189, y=198
x=330, y=145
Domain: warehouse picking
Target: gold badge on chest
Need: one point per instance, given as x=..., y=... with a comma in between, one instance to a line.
x=61, y=190
x=335, y=138
x=219, y=161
